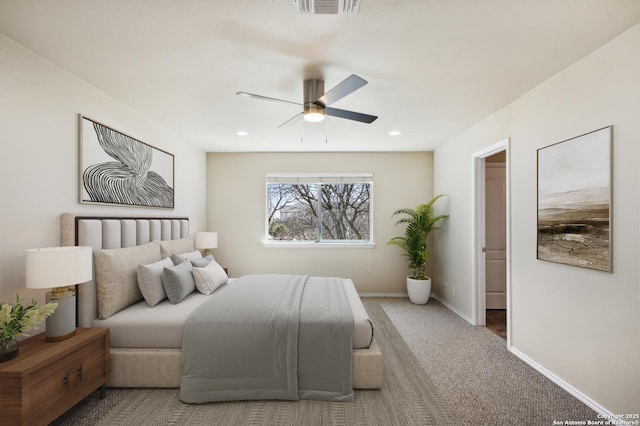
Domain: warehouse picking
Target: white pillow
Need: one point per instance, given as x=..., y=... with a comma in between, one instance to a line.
x=150, y=281
x=209, y=278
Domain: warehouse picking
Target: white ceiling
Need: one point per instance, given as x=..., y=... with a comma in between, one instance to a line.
x=435, y=67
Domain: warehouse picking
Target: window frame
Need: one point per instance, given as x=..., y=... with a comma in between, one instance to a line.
x=319, y=179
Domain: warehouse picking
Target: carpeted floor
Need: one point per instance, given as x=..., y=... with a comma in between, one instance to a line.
x=472, y=369
x=408, y=398
x=439, y=370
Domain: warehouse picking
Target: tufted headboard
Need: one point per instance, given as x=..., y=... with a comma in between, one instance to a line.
x=110, y=232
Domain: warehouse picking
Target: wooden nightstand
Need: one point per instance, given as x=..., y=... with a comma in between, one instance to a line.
x=48, y=378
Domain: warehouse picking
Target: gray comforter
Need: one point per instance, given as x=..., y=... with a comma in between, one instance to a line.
x=270, y=337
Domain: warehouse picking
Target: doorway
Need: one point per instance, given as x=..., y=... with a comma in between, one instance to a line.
x=491, y=239
x=495, y=260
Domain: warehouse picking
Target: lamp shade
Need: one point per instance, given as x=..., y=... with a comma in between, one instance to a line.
x=58, y=266
x=206, y=240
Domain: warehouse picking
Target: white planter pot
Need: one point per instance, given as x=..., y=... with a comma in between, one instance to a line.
x=419, y=290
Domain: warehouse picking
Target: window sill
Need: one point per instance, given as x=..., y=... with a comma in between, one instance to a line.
x=313, y=244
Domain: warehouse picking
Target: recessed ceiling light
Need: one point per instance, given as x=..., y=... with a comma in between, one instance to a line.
x=242, y=133
x=394, y=133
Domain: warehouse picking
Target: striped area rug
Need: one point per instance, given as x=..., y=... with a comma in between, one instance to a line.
x=407, y=398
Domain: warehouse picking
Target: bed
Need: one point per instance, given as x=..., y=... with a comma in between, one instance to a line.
x=146, y=342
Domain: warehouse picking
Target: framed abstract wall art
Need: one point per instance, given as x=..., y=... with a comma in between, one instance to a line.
x=116, y=169
x=574, y=201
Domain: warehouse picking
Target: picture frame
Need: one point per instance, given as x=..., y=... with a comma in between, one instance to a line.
x=119, y=170
x=574, y=193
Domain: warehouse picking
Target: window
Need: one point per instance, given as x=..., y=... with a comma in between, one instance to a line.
x=319, y=208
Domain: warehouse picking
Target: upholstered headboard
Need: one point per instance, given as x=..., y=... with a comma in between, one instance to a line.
x=104, y=232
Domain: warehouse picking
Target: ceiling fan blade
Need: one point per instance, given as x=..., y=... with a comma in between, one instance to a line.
x=350, y=115
x=346, y=87
x=266, y=98
x=291, y=120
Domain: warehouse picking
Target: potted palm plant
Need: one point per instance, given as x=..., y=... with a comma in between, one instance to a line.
x=420, y=222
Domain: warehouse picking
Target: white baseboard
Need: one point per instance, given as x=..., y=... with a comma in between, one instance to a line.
x=383, y=295
x=564, y=385
x=453, y=309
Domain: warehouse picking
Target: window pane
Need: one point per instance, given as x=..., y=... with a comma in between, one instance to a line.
x=345, y=211
x=292, y=214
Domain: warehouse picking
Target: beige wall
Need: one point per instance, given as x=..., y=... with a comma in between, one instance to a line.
x=236, y=210
x=39, y=104
x=580, y=326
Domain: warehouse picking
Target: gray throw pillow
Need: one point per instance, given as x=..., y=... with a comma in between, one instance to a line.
x=202, y=262
x=178, y=281
x=179, y=258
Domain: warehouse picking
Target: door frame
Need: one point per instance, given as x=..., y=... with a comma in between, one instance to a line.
x=479, y=234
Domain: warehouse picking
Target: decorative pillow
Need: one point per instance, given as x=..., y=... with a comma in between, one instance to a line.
x=116, y=276
x=209, y=278
x=202, y=262
x=178, y=281
x=170, y=247
x=150, y=281
x=181, y=257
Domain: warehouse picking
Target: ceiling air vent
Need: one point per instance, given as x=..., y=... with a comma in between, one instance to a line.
x=326, y=7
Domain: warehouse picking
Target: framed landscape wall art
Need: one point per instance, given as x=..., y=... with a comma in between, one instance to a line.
x=117, y=169
x=574, y=201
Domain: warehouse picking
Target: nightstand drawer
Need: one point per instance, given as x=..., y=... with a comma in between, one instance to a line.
x=65, y=381
x=48, y=378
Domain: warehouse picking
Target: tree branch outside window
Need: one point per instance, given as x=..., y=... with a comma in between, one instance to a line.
x=321, y=212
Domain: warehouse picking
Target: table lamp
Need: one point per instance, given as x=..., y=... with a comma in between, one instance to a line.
x=206, y=241
x=59, y=268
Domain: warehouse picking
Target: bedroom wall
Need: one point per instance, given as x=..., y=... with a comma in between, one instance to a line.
x=237, y=204
x=39, y=103
x=580, y=326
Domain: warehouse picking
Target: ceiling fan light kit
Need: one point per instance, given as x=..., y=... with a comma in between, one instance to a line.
x=313, y=114
x=326, y=7
x=315, y=102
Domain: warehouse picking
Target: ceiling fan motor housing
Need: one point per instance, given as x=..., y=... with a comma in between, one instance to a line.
x=313, y=109
x=312, y=91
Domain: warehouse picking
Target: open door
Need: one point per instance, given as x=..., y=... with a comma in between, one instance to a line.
x=495, y=186
x=491, y=247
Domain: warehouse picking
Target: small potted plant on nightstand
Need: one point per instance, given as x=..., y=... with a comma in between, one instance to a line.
x=16, y=320
x=420, y=222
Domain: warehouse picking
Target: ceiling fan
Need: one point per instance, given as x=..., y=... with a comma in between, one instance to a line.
x=316, y=102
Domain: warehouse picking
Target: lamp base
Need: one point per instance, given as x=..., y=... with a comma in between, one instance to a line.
x=62, y=323
x=60, y=338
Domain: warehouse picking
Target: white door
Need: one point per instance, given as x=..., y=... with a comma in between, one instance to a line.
x=495, y=236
